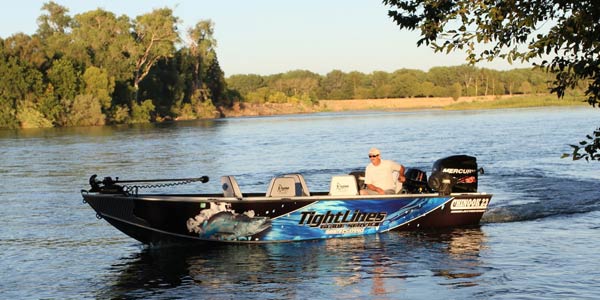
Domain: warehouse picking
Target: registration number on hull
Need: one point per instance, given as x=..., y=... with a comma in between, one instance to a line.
x=469, y=205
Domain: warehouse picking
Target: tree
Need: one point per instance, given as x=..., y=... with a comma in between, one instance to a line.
x=19, y=88
x=53, y=31
x=202, y=50
x=107, y=41
x=155, y=35
x=569, y=47
x=86, y=111
x=100, y=85
x=406, y=82
x=56, y=21
x=380, y=84
x=455, y=91
x=332, y=86
x=28, y=49
x=358, y=80
x=142, y=113
x=65, y=79
x=246, y=83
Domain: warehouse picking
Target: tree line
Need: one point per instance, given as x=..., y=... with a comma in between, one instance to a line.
x=98, y=68
x=455, y=82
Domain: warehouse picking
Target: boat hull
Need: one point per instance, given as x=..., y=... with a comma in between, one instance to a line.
x=156, y=219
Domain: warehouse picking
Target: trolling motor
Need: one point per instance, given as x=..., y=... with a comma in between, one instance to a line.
x=110, y=186
x=105, y=186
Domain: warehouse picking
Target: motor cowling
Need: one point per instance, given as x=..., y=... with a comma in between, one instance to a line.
x=454, y=174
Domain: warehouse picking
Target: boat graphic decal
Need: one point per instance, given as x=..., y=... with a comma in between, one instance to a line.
x=344, y=218
x=220, y=222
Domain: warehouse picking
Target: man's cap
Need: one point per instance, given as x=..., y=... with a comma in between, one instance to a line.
x=374, y=151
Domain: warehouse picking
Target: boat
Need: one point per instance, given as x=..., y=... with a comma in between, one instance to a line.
x=288, y=211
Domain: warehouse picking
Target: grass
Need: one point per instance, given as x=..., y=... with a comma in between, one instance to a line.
x=519, y=102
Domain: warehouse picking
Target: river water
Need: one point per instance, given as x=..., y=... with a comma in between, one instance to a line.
x=539, y=239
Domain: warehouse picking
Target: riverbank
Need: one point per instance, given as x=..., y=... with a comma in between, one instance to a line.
x=462, y=103
x=399, y=103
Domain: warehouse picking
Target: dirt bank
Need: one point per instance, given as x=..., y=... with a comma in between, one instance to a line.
x=398, y=103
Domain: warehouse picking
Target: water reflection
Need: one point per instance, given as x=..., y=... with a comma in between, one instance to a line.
x=463, y=265
x=99, y=131
x=377, y=265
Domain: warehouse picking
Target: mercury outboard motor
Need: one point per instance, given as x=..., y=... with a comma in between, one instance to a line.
x=454, y=174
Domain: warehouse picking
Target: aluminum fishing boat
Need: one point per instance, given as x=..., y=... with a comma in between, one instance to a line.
x=288, y=210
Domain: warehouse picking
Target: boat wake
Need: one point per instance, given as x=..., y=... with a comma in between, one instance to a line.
x=539, y=197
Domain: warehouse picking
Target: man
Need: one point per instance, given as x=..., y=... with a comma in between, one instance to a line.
x=379, y=176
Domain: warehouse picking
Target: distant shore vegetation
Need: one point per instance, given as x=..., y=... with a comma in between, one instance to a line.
x=97, y=68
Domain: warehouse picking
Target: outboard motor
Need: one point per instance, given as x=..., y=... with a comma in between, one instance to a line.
x=416, y=181
x=454, y=174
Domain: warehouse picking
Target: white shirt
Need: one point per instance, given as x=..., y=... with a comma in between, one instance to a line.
x=381, y=175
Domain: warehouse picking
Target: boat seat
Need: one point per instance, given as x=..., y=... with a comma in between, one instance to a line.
x=282, y=187
x=301, y=187
x=343, y=185
x=230, y=187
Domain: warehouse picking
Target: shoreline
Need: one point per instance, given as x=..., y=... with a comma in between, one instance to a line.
x=391, y=104
x=399, y=104
x=268, y=109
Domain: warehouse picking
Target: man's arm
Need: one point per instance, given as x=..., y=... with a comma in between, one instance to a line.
x=401, y=176
x=376, y=189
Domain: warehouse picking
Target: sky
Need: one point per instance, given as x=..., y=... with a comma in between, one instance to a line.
x=275, y=36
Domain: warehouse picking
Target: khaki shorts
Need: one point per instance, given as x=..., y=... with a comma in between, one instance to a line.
x=387, y=192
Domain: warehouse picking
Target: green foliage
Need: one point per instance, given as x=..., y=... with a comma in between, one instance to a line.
x=588, y=149
x=89, y=68
x=7, y=114
x=49, y=105
x=202, y=50
x=200, y=108
x=142, y=113
x=404, y=83
x=65, y=79
x=106, y=42
x=29, y=117
x=260, y=95
x=246, y=83
x=57, y=20
x=119, y=114
x=336, y=86
x=99, y=85
x=86, y=111
x=456, y=91
x=155, y=34
x=29, y=50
